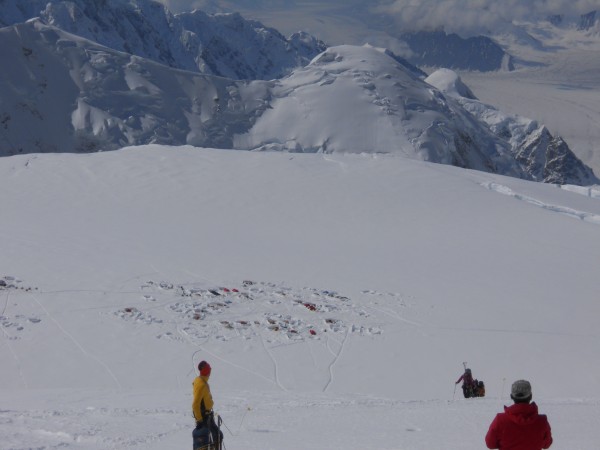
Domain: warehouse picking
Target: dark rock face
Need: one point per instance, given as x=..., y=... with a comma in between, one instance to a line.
x=549, y=159
x=588, y=20
x=438, y=49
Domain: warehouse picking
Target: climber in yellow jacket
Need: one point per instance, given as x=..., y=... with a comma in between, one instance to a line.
x=207, y=434
x=202, y=404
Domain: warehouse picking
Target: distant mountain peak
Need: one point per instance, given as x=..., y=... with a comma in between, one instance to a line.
x=449, y=82
x=542, y=156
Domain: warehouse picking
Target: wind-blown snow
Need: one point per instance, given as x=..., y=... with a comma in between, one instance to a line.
x=336, y=297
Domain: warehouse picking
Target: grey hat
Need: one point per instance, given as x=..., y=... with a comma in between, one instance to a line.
x=521, y=390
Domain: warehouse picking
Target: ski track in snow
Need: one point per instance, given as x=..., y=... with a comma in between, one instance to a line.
x=76, y=342
x=11, y=349
x=581, y=215
x=203, y=349
x=275, y=365
x=20, y=323
x=335, y=359
x=391, y=312
x=5, y=303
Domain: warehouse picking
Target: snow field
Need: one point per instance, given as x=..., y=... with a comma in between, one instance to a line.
x=123, y=269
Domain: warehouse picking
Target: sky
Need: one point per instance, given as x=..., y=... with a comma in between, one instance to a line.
x=466, y=16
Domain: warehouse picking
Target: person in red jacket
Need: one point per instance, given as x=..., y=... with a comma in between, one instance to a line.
x=468, y=385
x=519, y=427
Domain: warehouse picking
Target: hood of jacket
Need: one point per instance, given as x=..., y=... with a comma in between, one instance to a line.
x=522, y=413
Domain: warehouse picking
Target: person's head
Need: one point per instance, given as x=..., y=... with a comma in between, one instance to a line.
x=521, y=391
x=204, y=369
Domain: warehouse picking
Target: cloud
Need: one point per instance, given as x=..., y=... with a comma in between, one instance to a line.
x=475, y=16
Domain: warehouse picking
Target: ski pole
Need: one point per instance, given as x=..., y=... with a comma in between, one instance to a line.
x=454, y=395
x=503, y=383
x=219, y=423
x=225, y=425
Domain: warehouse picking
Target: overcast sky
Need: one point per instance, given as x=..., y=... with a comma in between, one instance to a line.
x=454, y=15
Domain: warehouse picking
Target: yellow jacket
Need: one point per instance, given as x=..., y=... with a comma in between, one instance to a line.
x=203, y=401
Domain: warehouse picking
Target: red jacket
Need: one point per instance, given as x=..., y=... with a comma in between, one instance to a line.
x=519, y=427
x=466, y=378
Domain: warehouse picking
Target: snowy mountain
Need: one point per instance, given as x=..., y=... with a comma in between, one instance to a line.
x=363, y=85
x=335, y=296
x=65, y=93
x=224, y=45
x=234, y=47
x=584, y=22
x=555, y=78
x=491, y=52
x=543, y=156
x=357, y=22
x=555, y=82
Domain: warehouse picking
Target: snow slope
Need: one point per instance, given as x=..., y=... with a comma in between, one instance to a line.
x=336, y=297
